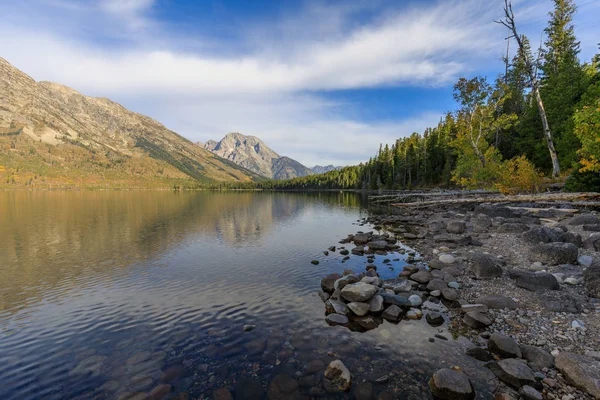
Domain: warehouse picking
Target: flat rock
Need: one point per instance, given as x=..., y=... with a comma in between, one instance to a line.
x=337, y=319
x=336, y=307
x=497, y=302
x=529, y=393
x=513, y=372
x=484, y=267
x=392, y=313
x=554, y=253
x=476, y=320
x=585, y=219
x=504, y=346
x=359, y=291
x=359, y=309
x=451, y=385
x=581, y=371
x=465, y=308
x=537, y=358
x=537, y=281
x=367, y=322
x=422, y=276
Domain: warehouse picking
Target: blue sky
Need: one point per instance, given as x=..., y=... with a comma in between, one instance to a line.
x=321, y=81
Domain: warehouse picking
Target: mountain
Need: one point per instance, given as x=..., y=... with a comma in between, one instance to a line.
x=253, y=154
x=53, y=136
x=318, y=169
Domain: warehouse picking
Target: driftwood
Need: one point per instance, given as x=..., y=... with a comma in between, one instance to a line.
x=578, y=199
x=421, y=196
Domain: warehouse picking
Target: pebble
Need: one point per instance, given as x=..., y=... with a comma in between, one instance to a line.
x=447, y=258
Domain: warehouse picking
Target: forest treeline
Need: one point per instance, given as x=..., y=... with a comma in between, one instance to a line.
x=539, y=119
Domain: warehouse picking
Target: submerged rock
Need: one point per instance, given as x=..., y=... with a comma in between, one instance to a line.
x=451, y=385
x=339, y=375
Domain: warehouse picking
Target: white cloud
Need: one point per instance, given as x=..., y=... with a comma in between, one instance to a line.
x=262, y=91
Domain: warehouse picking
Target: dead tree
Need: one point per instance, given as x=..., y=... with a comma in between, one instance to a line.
x=509, y=22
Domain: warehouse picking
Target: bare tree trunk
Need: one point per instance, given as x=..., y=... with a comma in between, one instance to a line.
x=509, y=22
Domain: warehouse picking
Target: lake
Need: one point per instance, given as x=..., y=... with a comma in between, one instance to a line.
x=120, y=294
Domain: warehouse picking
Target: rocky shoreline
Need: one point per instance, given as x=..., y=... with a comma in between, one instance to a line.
x=521, y=282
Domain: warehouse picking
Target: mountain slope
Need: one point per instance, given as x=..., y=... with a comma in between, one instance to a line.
x=319, y=169
x=253, y=154
x=53, y=135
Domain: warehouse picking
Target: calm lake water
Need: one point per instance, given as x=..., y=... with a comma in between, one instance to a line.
x=112, y=294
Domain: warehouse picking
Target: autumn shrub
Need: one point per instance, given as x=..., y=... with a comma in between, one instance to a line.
x=518, y=175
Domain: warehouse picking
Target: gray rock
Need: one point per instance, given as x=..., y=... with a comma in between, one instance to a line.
x=554, y=253
x=584, y=219
x=357, y=251
x=359, y=309
x=437, y=284
x=513, y=372
x=449, y=294
x=495, y=211
x=393, y=313
x=558, y=301
x=328, y=282
x=580, y=371
x=504, y=346
x=542, y=235
x=447, y=258
x=512, y=228
x=377, y=245
x=398, y=285
x=434, y=318
x=367, y=322
x=361, y=238
x=336, y=307
x=497, y=302
x=453, y=284
x=572, y=237
x=481, y=223
x=465, y=308
x=376, y=304
x=283, y=387
x=422, y=276
x=451, y=385
x=476, y=320
x=456, y=227
x=537, y=281
x=395, y=300
x=529, y=393
x=484, y=267
x=537, y=358
x=345, y=280
x=479, y=353
x=415, y=300
x=593, y=242
x=337, y=319
x=592, y=280
x=359, y=291
x=585, y=261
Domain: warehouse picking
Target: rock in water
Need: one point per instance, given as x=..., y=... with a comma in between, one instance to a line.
x=359, y=309
x=339, y=375
x=451, y=385
x=581, y=371
x=282, y=387
x=359, y=291
x=513, y=372
x=554, y=253
x=504, y=346
x=328, y=282
x=337, y=319
x=395, y=300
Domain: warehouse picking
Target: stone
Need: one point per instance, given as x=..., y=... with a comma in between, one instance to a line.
x=451, y=385
x=359, y=291
x=314, y=366
x=367, y=322
x=336, y=307
x=359, y=309
x=377, y=245
x=363, y=391
x=453, y=284
x=559, y=301
x=593, y=242
x=495, y=211
x=361, y=238
x=414, y=313
x=572, y=237
x=580, y=371
x=476, y=320
x=465, y=308
x=337, y=319
x=434, y=318
x=456, y=227
x=437, y=284
x=447, y=258
x=283, y=387
x=529, y=393
x=585, y=219
x=248, y=328
x=399, y=285
x=328, y=282
x=393, y=313
x=504, y=346
x=376, y=304
x=347, y=279
x=415, y=300
x=592, y=280
x=357, y=251
x=497, y=302
x=513, y=372
x=554, y=253
x=315, y=262
x=248, y=389
x=479, y=353
x=542, y=235
x=512, y=227
x=484, y=267
x=481, y=223
x=450, y=294
x=422, y=276
x=537, y=358
x=585, y=261
x=339, y=375
x=222, y=394
x=395, y=300
x=537, y=281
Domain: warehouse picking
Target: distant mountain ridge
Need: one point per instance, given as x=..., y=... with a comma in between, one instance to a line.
x=53, y=135
x=318, y=169
x=253, y=154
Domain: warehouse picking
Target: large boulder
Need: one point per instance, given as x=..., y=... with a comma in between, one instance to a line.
x=585, y=219
x=484, y=267
x=359, y=291
x=542, y=235
x=554, y=253
x=497, y=302
x=339, y=375
x=451, y=385
x=592, y=279
x=504, y=346
x=535, y=281
x=536, y=357
x=481, y=222
x=495, y=211
x=327, y=283
x=513, y=372
x=581, y=371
